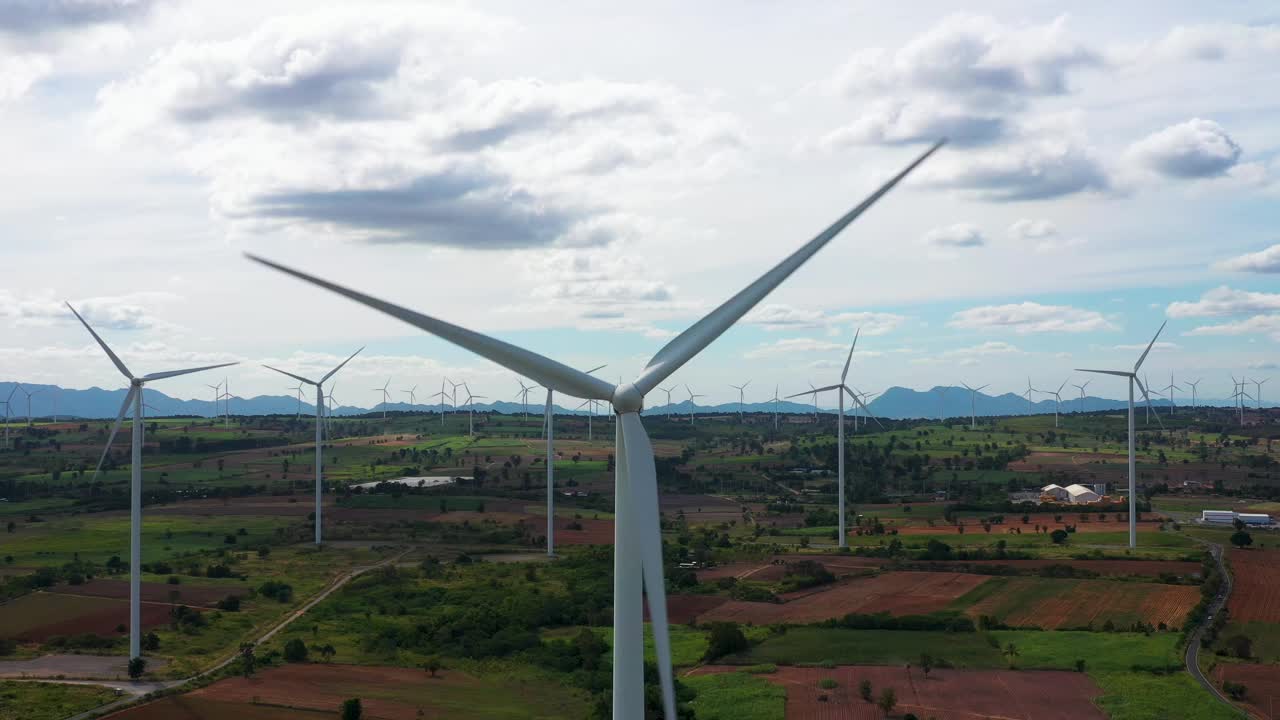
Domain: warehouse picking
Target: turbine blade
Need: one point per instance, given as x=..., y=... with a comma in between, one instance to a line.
x=980, y=388
x=863, y=405
x=1118, y=373
x=845, y=373
x=689, y=343
x=295, y=377
x=598, y=367
x=188, y=371
x=788, y=397
x=642, y=478
x=542, y=369
x=124, y=408
x=334, y=371
x=119, y=365
x=824, y=389
x=1147, y=398
x=1149, y=346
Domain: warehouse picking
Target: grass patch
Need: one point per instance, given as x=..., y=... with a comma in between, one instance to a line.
x=1142, y=696
x=736, y=696
x=49, y=701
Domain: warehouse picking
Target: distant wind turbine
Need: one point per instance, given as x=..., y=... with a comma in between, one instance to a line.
x=1133, y=467
x=29, y=395
x=471, y=410
x=973, y=405
x=942, y=396
x=638, y=558
x=1194, y=390
x=7, y=402
x=1169, y=389
x=217, y=395
x=668, y=392
x=386, y=398
x=776, y=400
x=1081, y=389
x=523, y=392
x=413, y=397
x=1259, y=384
x=692, y=396
x=298, y=389
x=320, y=423
x=1028, y=393
x=741, y=400
x=1057, y=400
x=133, y=399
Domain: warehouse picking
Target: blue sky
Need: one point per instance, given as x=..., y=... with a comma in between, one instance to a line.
x=588, y=182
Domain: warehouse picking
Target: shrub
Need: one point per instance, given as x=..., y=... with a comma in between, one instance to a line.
x=295, y=651
x=864, y=690
x=726, y=639
x=351, y=709
x=828, y=684
x=230, y=603
x=137, y=666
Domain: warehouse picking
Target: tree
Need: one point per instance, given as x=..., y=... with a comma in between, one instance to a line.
x=247, y=659
x=295, y=651
x=151, y=642
x=1058, y=536
x=726, y=639
x=433, y=664
x=1011, y=652
x=864, y=690
x=327, y=652
x=926, y=663
x=351, y=709
x=137, y=666
x=1241, y=539
x=888, y=700
x=1080, y=666
x=1240, y=646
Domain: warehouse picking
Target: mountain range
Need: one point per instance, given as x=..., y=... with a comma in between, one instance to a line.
x=895, y=402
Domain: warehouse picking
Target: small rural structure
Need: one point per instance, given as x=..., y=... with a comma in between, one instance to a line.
x=1056, y=492
x=1226, y=517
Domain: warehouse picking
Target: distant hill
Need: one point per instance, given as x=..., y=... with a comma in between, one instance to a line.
x=896, y=402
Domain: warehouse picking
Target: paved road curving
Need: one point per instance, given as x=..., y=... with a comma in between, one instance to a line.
x=1215, y=607
x=137, y=689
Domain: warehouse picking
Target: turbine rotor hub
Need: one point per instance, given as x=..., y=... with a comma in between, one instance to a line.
x=627, y=398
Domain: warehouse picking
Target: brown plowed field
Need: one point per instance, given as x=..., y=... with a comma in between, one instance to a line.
x=39, y=616
x=189, y=707
x=944, y=695
x=897, y=593
x=1147, y=523
x=773, y=569
x=206, y=595
x=1262, y=681
x=593, y=532
x=1256, y=594
x=1052, y=603
x=683, y=609
x=1115, y=568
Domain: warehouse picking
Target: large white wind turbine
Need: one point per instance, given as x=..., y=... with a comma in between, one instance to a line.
x=973, y=405
x=741, y=397
x=1081, y=389
x=1133, y=470
x=776, y=400
x=320, y=422
x=386, y=397
x=692, y=396
x=471, y=410
x=1258, y=384
x=548, y=429
x=841, y=389
x=637, y=527
x=1057, y=400
x=133, y=400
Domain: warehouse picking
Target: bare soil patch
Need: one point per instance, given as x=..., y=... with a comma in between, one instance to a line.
x=206, y=595
x=1262, y=682
x=1256, y=595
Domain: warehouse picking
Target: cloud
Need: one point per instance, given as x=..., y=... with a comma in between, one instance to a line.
x=1263, y=261
x=959, y=235
x=788, y=346
x=777, y=316
x=1038, y=169
x=1194, y=149
x=125, y=312
x=1223, y=301
x=1041, y=235
x=1030, y=317
x=1214, y=42
x=33, y=17
x=1264, y=365
x=897, y=122
x=1268, y=325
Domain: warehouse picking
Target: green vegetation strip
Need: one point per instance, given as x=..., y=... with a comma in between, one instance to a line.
x=736, y=696
x=1142, y=696
x=49, y=701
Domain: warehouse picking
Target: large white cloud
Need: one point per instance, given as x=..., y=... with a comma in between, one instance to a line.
x=1268, y=325
x=1223, y=301
x=19, y=72
x=1030, y=317
x=1038, y=169
x=34, y=17
x=124, y=312
x=1196, y=148
x=1263, y=261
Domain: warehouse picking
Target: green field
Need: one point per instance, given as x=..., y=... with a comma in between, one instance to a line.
x=1142, y=696
x=49, y=701
x=736, y=696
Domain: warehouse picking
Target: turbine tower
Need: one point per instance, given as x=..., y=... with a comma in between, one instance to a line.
x=386, y=397
x=330, y=402
x=133, y=400
x=471, y=410
x=1258, y=384
x=776, y=400
x=320, y=426
x=1081, y=389
x=1194, y=391
x=1133, y=469
x=741, y=400
x=7, y=403
x=298, y=389
x=29, y=394
x=523, y=392
x=1169, y=389
x=217, y=395
x=637, y=529
x=692, y=396
x=841, y=389
x=973, y=405
x=548, y=427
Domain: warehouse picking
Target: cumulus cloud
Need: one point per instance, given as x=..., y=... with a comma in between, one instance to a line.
x=1222, y=301
x=125, y=312
x=1214, y=42
x=1263, y=261
x=1043, y=168
x=896, y=122
x=1042, y=235
x=1268, y=325
x=959, y=235
x=18, y=73
x=32, y=17
x=1030, y=317
x=1194, y=149
x=778, y=316
x=788, y=346
x=362, y=124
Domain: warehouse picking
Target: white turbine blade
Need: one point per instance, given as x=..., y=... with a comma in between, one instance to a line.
x=188, y=371
x=124, y=408
x=1118, y=373
x=966, y=387
x=788, y=397
x=689, y=343
x=295, y=377
x=584, y=403
x=332, y=372
x=542, y=369
x=1064, y=384
x=862, y=405
x=844, y=373
x=119, y=365
x=978, y=389
x=642, y=478
x=1147, y=398
x=824, y=389
x=1149, y=346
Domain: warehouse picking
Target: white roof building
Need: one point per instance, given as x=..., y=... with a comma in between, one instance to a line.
x=1057, y=492
x=1079, y=494
x=1227, y=517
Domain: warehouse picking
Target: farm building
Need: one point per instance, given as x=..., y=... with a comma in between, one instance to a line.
x=1226, y=517
x=1057, y=492
x=1079, y=494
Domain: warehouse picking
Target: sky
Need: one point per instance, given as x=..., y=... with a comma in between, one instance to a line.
x=586, y=181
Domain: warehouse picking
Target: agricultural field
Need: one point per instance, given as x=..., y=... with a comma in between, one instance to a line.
x=1257, y=585
x=49, y=701
x=1065, y=603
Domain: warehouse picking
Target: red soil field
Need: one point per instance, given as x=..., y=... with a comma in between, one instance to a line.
x=1262, y=683
x=1149, y=522
x=944, y=695
x=187, y=707
x=102, y=621
x=897, y=593
x=1078, y=603
x=593, y=532
x=684, y=609
x=1256, y=595
x=267, y=506
x=773, y=569
x=1113, y=568
x=156, y=592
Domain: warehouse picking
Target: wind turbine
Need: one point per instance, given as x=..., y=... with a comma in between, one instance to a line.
x=548, y=427
x=1259, y=384
x=1081, y=388
x=523, y=392
x=133, y=399
x=691, y=398
x=973, y=405
x=471, y=410
x=320, y=422
x=1150, y=409
x=28, y=393
x=1239, y=396
x=386, y=397
x=330, y=402
x=1028, y=394
x=942, y=396
x=1057, y=400
x=7, y=402
x=637, y=529
x=590, y=405
x=841, y=389
x=741, y=401
x=865, y=397
x=668, y=392
x=298, y=389
x=776, y=400
x=226, y=405
x=217, y=395
x=1194, y=390
x=443, y=396
x=1169, y=389
x=1133, y=469
x=413, y=398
